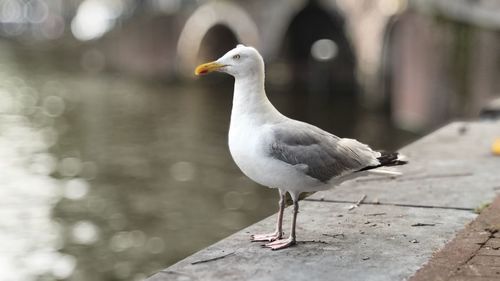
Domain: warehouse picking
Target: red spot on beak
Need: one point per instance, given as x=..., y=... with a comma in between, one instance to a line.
x=207, y=68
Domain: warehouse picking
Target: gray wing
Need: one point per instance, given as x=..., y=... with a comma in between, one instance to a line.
x=320, y=154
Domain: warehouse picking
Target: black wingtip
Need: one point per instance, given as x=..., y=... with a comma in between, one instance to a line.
x=387, y=159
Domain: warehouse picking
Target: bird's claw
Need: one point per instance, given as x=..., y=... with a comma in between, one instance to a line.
x=280, y=244
x=269, y=237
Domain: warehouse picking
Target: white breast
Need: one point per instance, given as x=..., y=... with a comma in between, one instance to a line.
x=245, y=148
x=248, y=143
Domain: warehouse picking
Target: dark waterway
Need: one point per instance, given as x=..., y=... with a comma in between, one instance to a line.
x=108, y=177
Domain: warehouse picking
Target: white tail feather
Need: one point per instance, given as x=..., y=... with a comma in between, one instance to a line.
x=402, y=157
x=385, y=172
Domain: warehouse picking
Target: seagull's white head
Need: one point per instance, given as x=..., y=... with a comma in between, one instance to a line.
x=241, y=61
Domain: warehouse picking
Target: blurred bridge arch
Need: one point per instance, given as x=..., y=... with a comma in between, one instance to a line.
x=357, y=27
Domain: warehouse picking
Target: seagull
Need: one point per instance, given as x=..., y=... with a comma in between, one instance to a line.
x=279, y=152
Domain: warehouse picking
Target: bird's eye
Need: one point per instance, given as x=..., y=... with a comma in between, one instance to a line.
x=236, y=57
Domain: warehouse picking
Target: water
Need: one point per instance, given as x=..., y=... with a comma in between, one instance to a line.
x=107, y=177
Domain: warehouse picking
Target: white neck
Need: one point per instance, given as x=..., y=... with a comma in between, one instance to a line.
x=250, y=100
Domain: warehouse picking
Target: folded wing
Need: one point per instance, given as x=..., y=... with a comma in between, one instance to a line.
x=319, y=154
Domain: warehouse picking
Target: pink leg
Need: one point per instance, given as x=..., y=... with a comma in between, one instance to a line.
x=277, y=234
x=285, y=243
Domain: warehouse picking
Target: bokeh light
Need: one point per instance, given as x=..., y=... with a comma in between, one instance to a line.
x=36, y=11
x=94, y=18
x=85, y=232
x=324, y=49
x=155, y=245
x=76, y=189
x=63, y=266
x=70, y=166
x=53, y=106
x=183, y=171
x=11, y=11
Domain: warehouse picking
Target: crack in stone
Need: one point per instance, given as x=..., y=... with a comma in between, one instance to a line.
x=391, y=204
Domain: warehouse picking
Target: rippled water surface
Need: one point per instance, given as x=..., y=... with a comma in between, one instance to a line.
x=105, y=177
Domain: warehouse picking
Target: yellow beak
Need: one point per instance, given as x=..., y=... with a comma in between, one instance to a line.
x=207, y=68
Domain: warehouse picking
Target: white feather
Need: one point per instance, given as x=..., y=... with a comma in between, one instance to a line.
x=385, y=172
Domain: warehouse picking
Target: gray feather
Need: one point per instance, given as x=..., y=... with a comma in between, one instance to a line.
x=319, y=154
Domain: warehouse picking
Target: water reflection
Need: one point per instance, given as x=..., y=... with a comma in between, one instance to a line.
x=29, y=238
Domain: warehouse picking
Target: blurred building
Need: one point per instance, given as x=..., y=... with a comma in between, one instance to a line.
x=440, y=61
x=424, y=61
